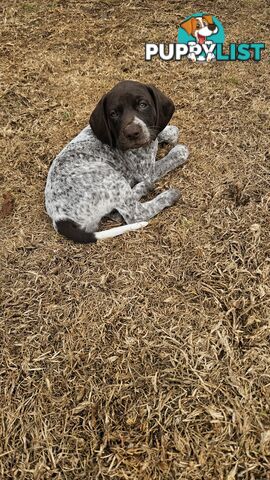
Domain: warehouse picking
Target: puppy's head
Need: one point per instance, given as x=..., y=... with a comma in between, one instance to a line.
x=200, y=27
x=131, y=115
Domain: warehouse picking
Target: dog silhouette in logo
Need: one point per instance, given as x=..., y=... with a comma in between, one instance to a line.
x=200, y=28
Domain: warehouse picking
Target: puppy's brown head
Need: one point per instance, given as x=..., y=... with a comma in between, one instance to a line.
x=131, y=115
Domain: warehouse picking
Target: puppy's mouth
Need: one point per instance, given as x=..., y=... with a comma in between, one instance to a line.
x=133, y=145
x=201, y=38
x=143, y=140
x=205, y=32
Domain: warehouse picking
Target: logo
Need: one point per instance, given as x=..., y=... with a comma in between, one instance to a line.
x=200, y=39
x=201, y=33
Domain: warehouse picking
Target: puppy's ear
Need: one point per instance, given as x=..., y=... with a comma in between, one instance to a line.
x=164, y=107
x=209, y=19
x=99, y=122
x=189, y=25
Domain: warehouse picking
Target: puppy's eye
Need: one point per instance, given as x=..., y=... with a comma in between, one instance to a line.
x=114, y=114
x=142, y=105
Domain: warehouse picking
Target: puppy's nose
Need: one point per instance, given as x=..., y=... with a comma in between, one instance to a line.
x=132, y=131
x=211, y=26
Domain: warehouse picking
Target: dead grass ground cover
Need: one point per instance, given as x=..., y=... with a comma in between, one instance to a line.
x=145, y=356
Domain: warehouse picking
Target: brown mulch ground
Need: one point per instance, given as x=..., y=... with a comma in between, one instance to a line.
x=145, y=356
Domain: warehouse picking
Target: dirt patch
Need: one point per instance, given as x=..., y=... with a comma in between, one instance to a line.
x=145, y=356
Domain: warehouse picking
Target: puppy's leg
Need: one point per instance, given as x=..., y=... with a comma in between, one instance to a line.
x=133, y=211
x=177, y=156
x=169, y=135
x=138, y=192
x=141, y=189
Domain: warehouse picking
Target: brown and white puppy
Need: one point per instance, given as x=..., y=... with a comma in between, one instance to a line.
x=111, y=165
x=200, y=27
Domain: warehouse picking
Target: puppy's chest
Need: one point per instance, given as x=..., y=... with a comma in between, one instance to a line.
x=136, y=165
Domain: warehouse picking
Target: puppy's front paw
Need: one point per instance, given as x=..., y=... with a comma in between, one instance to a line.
x=180, y=152
x=169, y=135
x=172, y=133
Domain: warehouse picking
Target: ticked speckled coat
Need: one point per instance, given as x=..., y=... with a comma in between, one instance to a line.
x=89, y=179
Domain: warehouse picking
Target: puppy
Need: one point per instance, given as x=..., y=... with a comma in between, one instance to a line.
x=111, y=164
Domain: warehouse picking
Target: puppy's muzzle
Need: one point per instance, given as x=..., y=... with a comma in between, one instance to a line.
x=132, y=131
x=134, y=135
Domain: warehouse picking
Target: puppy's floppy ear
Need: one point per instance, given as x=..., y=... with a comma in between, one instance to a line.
x=208, y=18
x=189, y=25
x=164, y=107
x=99, y=122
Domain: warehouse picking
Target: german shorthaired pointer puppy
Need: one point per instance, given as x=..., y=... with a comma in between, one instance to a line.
x=111, y=164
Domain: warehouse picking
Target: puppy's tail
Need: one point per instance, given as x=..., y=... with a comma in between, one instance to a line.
x=73, y=231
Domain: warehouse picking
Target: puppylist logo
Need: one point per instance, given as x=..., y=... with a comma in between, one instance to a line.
x=200, y=39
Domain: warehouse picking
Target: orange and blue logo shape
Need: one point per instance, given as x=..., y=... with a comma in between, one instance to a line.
x=201, y=38
x=201, y=32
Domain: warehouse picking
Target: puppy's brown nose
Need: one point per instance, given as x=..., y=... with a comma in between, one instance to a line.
x=132, y=131
x=211, y=26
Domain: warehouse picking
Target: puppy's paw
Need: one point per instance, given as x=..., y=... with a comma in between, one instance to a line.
x=173, y=194
x=210, y=57
x=169, y=135
x=192, y=56
x=180, y=152
x=173, y=135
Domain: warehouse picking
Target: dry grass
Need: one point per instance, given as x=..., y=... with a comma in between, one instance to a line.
x=145, y=356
